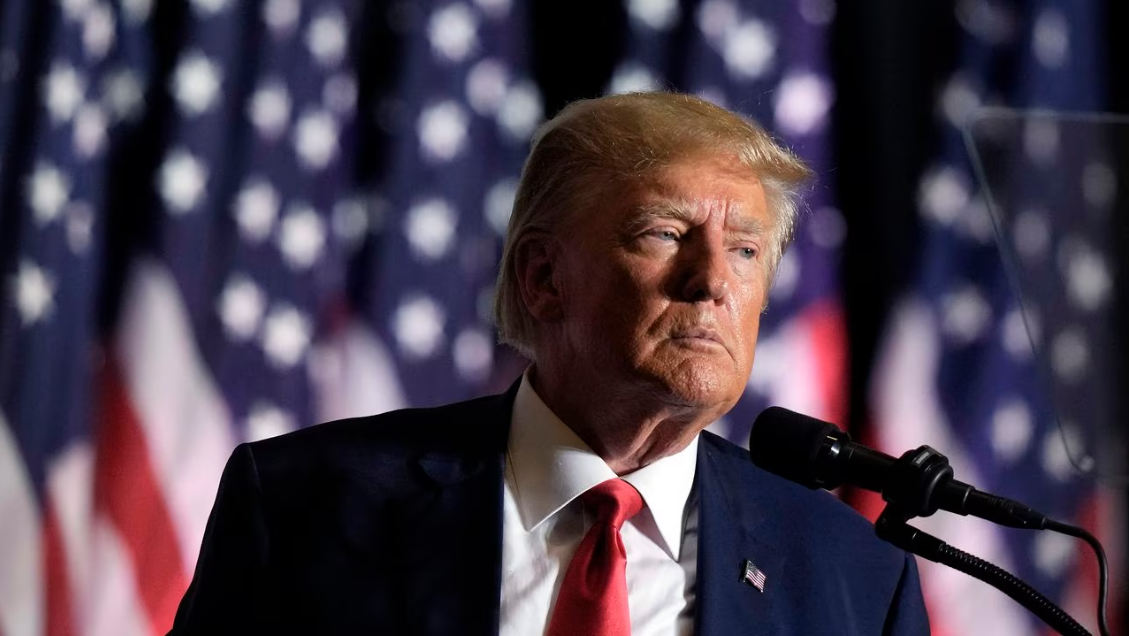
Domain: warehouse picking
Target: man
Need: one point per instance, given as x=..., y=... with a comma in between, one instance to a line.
x=644, y=238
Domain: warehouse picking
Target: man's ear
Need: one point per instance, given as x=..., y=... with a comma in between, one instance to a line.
x=537, y=261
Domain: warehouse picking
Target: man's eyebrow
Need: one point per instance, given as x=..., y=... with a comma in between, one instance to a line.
x=647, y=213
x=677, y=210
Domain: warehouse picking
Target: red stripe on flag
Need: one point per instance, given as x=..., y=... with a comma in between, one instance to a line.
x=827, y=327
x=60, y=619
x=126, y=489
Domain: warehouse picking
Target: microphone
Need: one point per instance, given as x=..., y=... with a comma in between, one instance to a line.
x=818, y=454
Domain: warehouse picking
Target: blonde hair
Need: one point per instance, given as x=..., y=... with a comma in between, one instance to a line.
x=595, y=144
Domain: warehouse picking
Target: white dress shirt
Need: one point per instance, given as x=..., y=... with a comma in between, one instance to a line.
x=547, y=468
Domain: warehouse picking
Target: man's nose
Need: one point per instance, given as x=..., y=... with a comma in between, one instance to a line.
x=706, y=271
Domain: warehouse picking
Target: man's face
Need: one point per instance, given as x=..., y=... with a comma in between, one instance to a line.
x=664, y=283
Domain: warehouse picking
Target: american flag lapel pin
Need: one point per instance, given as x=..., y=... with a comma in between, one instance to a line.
x=753, y=575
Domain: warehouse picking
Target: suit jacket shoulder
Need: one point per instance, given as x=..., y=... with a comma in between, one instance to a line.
x=385, y=449
x=347, y=525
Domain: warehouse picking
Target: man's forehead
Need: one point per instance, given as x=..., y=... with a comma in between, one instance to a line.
x=693, y=187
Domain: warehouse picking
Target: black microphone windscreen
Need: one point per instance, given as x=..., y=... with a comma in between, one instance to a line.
x=787, y=443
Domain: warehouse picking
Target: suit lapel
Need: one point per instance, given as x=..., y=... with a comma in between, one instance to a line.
x=734, y=527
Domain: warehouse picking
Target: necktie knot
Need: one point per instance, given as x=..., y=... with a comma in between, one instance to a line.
x=614, y=502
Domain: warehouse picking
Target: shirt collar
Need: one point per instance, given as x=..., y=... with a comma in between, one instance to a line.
x=551, y=466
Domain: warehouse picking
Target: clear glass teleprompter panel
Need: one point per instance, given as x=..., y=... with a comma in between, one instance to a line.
x=1056, y=187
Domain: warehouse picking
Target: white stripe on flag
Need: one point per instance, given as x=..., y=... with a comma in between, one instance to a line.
x=70, y=484
x=186, y=423
x=787, y=369
x=909, y=414
x=21, y=545
x=114, y=602
x=354, y=375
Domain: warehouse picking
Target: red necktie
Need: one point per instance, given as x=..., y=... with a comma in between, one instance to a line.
x=593, y=597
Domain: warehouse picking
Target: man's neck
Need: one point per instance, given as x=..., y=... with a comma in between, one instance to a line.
x=627, y=430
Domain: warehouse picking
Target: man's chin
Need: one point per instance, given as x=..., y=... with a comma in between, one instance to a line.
x=702, y=386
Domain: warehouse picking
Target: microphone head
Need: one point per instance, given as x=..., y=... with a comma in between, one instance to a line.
x=790, y=444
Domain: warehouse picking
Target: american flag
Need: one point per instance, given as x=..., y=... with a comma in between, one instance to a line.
x=63, y=113
x=754, y=576
x=768, y=61
x=279, y=212
x=958, y=369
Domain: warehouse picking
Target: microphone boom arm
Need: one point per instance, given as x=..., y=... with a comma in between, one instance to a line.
x=893, y=528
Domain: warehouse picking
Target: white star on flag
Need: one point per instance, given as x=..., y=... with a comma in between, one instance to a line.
x=209, y=7
x=315, y=139
x=89, y=130
x=1088, y=282
x=269, y=109
x=430, y=228
x=1070, y=356
x=633, y=77
x=966, y=314
x=256, y=208
x=340, y=94
x=494, y=8
x=802, y=103
x=33, y=293
x=659, y=15
x=63, y=91
x=75, y=10
x=1017, y=333
x=500, y=203
x=750, y=49
x=1051, y=38
x=267, y=420
x=1011, y=430
x=98, y=31
x=286, y=336
x=453, y=32
x=350, y=221
x=486, y=85
x=521, y=111
x=301, y=236
x=137, y=11
x=418, y=325
x=443, y=130
x=80, y=226
x=281, y=16
x=715, y=18
x=943, y=194
x=121, y=94
x=326, y=38
x=48, y=190
x=196, y=84
x=182, y=181
x=240, y=307
x=473, y=352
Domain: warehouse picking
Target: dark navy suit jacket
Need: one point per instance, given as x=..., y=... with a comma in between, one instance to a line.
x=392, y=524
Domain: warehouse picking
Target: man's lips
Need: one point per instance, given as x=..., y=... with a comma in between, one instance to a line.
x=698, y=333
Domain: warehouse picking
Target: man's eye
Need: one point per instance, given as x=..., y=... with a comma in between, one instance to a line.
x=748, y=253
x=666, y=235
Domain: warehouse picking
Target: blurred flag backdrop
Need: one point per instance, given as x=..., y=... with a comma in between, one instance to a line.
x=221, y=221
x=958, y=369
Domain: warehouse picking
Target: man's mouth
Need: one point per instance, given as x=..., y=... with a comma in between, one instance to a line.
x=702, y=334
